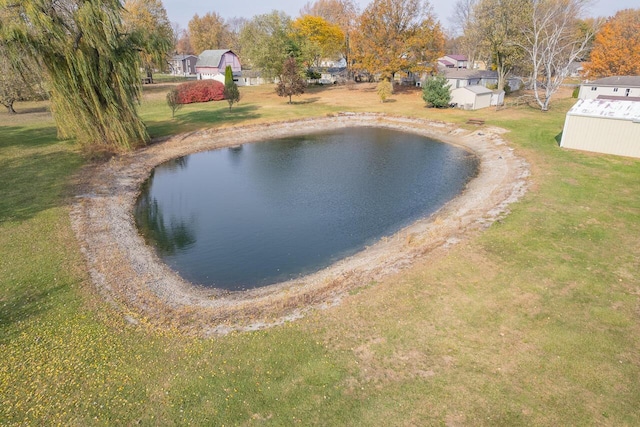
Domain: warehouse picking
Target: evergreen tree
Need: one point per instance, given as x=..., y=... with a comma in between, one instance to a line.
x=231, y=92
x=435, y=92
x=291, y=82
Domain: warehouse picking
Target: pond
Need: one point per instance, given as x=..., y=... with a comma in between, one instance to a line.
x=250, y=216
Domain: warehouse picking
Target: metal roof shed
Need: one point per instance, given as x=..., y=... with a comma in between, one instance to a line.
x=610, y=126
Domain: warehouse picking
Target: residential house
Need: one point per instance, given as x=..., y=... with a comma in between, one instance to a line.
x=251, y=78
x=487, y=78
x=622, y=86
x=453, y=61
x=183, y=65
x=212, y=64
x=610, y=126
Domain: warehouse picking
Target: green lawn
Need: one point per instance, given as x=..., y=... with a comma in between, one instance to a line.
x=534, y=322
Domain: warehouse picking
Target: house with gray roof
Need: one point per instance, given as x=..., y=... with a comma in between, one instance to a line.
x=211, y=64
x=461, y=77
x=619, y=86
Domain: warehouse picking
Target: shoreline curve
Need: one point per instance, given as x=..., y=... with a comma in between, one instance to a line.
x=129, y=274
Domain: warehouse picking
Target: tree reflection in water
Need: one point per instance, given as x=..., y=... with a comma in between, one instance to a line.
x=169, y=237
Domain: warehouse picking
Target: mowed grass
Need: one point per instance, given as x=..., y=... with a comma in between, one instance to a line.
x=536, y=321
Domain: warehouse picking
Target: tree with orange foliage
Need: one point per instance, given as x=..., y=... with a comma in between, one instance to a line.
x=397, y=35
x=616, y=49
x=209, y=32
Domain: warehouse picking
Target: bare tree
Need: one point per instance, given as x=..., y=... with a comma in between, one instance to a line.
x=553, y=40
x=463, y=26
x=235, y=26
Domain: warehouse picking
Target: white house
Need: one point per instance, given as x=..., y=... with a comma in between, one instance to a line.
x=251, y=78
x=472, y=97
x=212, y=64
x=623, y=86
x=610, y=126
x=183, y=65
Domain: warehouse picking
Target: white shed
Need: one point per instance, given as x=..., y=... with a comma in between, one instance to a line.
x=610, y=126
x=472, y=97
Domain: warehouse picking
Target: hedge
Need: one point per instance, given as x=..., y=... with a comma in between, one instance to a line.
x=200, y=91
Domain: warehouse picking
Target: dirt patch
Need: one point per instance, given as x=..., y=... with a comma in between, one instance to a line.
x=130, y=275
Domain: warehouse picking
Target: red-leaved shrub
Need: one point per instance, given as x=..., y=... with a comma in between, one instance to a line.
x=200, y=91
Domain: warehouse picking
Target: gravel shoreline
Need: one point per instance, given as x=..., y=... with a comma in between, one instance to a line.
x=128, y=273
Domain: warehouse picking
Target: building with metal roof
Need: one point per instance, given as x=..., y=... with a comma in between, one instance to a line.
x=610, y=126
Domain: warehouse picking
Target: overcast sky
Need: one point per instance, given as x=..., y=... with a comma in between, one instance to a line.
x=181, y=11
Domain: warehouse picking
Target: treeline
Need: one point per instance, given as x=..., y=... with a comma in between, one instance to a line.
x=87, y=56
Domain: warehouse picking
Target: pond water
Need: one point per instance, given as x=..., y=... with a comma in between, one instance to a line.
x=259, y=214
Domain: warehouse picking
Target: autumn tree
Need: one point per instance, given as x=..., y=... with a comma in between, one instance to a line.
x=343, y=13
x=183, y=42
x=83, y=39
x=497, y=29
x=291, y=81
x=317, y=39
x=552, y=41
x=395, y=35
x=616, y=48
x=209, y=32
x=384, y=89
x=267, y=44
x=231, y=92
x=147, y=22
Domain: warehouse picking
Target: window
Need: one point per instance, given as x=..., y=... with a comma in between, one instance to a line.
x=594, y=88
x=615, y=89
x=627, y=92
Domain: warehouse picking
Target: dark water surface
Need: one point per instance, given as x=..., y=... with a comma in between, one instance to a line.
x=271, y=211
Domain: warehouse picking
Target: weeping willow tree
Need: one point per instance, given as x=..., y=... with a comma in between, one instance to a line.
x=91, y=66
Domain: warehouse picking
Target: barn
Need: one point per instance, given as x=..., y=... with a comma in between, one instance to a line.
x=212, y=64
x=472, y=97
x=609, y=126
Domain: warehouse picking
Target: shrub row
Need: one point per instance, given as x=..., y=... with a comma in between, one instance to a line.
x=200, y=91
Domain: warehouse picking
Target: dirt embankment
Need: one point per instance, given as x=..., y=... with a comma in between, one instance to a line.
x=129, y=274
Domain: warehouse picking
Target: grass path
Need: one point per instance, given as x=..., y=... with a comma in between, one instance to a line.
x=534, y=322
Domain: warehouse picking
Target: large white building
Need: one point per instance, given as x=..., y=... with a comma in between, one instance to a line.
x=610, y=126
